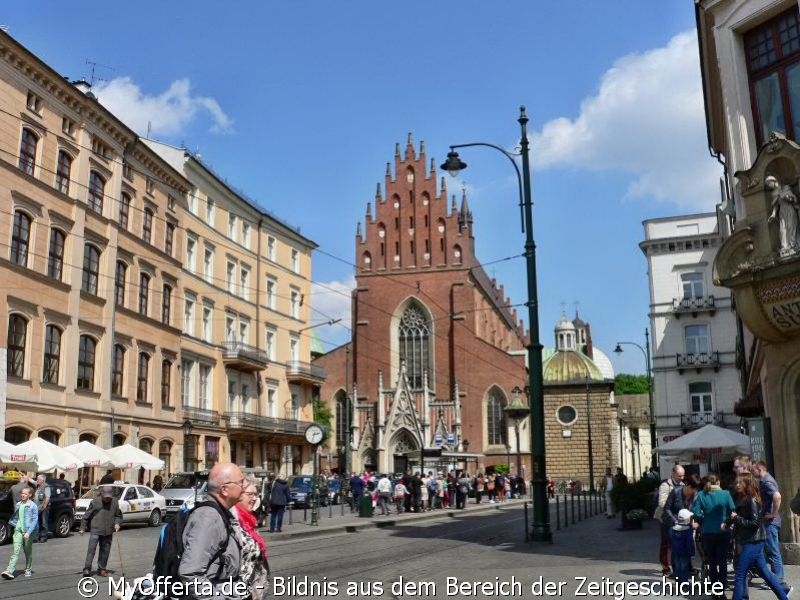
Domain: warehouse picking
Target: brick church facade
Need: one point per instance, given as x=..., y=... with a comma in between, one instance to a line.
x=436, y=350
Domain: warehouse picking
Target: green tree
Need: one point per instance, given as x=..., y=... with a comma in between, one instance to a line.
x=323, y=415
x=630, y=384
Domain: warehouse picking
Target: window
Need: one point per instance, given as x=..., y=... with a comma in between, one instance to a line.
x=191, y=244
x=169, y=236
x=147, y=225
x=692, y=285
x=210, y=212
x=205, y=377
x=119, y=283
x=55, y=255
x=127, y=170
x=124, y=210
x=86, y=355
x=295, y=407
x=27, y=151
x=141, y=377
x=295, y=261
x=294, y=348
x=342, y=423
x=295, y=304
x=271, y=248
x=700, y=397
x=20, y=238
x=773, y=65
x=52, y=354
x=193, y=201
x=166, y=380
x=208, y=265
x=150, y=186
x=17, y=337
x=144, y=293
x=63, y=168
x=207, y=323
x=414, y=340
x=230, y=278
x=244, y=332
x=188, y=314
x=244, y=286
x=566, y=414
x=91, y=269
x=97, y=187
x=231, y=395
x=272, y=284
x=496, y=419
x=34, y=103
x=696, y=339
x=117, y=370
x=229, y=332
x=68, y=126
x=187, y=368
x=245, y=234
x=271, y=394
x=232, y=226
x=270, y=343
x=166, y=304
x=100, y=148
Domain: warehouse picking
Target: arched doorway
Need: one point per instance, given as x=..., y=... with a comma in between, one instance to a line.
x=88, y=474
x=165, y=454
x=145, y=445
x=402, y=443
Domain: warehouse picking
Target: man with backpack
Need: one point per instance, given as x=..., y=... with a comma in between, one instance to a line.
x=211, y=549
x=675, y=480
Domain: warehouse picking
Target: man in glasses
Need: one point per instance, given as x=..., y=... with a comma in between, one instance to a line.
x=211, y=543
x=664, y=490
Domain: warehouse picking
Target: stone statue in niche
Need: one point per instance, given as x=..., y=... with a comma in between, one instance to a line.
x=784, y=206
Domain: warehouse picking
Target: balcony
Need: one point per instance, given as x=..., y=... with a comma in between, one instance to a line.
x=700, y=419
x=698, y=361
x=243, y=421
x=200, y=415
x=303, y=372
x=693, y=305
x=244, y=357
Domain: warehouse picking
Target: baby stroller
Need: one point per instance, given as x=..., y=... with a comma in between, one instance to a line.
x=701, y=552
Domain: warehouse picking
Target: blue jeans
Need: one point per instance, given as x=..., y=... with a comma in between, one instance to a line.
x=681, y=566
x=715, y=546
x=43, y=522
x=276, y=517
x=772, y=550
x=752, y=555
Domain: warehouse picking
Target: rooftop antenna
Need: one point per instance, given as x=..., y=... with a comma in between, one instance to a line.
x=92, y=77
x=4, y=28
x=149, y=128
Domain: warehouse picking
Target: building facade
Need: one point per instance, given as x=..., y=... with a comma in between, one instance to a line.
x=117, y=327
x=693, y=326
x=749, y=52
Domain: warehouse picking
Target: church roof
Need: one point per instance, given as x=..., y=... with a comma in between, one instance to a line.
x=567, y=366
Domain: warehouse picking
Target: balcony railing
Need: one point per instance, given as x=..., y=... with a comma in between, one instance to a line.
x=305, y=372
x=200, y=415
x=699, y=361
x=243, y=356
x=693, y=305
x=699, y=419
x=243, y=420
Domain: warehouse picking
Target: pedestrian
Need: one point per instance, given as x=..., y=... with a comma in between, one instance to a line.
x=25, y=521
x=479, y=485
x=384, y=494
x=746, y=521
x=42, y=498
x=424, y=495
x=675, y=480
x=462, y=491
x=254, y=568
x=682, y=544
x=16, y=489
x=278, y=499
x=211, y=556
x=711, y=508
x=610, y=510
x=107, y=478
x=415, y=490
x=680, y=497
x=400, y=493
x=770, y=511
x=620, y=478
x=158, y=483
x=103, y=518
x=356, y=488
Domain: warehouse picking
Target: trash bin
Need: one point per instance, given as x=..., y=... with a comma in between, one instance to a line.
x=365, y=505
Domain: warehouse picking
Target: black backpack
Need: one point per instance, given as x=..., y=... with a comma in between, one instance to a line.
x=170, y=543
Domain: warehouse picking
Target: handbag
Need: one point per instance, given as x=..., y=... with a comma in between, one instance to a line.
x=490, y=486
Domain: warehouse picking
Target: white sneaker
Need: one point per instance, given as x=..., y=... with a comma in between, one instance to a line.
x=7, y=575
x=28, y=573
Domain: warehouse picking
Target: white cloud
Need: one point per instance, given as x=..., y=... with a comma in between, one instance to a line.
x=167, y=113
x=331, y=300
x=646, y=119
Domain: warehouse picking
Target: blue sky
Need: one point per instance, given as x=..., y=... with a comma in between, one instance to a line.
x=300, y=105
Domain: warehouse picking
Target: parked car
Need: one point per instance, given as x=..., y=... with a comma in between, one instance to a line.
x=184, y=488
x=138, y=503
x=62, y=507
x=300, y=491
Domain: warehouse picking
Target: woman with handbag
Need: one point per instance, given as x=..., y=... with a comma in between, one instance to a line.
x=254, y=570
x=747, y=524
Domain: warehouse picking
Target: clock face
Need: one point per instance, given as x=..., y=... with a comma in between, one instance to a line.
x=314, y=434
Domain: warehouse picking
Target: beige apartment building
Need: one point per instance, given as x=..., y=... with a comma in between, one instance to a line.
x=145, y=302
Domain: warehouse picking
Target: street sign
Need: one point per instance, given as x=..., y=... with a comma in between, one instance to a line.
x=437, y=439
x=451, y=439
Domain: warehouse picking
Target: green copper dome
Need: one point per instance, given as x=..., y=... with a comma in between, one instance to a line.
x=569, y=366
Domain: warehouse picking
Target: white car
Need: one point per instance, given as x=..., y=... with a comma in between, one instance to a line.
x=138, y=503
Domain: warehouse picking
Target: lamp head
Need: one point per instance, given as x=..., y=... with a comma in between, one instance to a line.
x=187, y=427
x=453, y=164
x=618, y=349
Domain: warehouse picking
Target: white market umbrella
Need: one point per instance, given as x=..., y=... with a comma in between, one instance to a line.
x=130, y=457
x=91, y=455
x=19, y=459
x=50, y=457
x=706, y=443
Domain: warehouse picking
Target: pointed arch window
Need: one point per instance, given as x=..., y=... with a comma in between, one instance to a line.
x=415, y=345
x=496, y=427
x=342, y=424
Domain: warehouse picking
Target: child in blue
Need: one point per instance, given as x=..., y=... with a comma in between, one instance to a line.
x=681, y=541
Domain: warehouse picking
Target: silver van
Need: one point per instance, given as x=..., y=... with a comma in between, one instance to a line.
x=184, y=488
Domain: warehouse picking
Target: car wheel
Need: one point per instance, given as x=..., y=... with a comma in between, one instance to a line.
x=155, y=518
x=63, y=525
x=5, y=531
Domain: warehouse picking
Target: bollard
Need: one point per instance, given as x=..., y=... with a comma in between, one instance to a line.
x=305, y=514
x=527, y=534
x=566, y=512
x=558, y=515
x=291, y=512
x=330, y=508
x=580, y=514
x=572, y=503
x=585, y=507
x=342, y=500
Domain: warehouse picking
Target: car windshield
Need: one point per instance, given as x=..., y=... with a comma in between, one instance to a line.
x=181, y=481
x=301, y=482
x=94, y=492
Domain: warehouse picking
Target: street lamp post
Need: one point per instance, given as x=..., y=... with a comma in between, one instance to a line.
x=589, y=435
x=517, y=410
x=541, y=517
x=646, y=353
